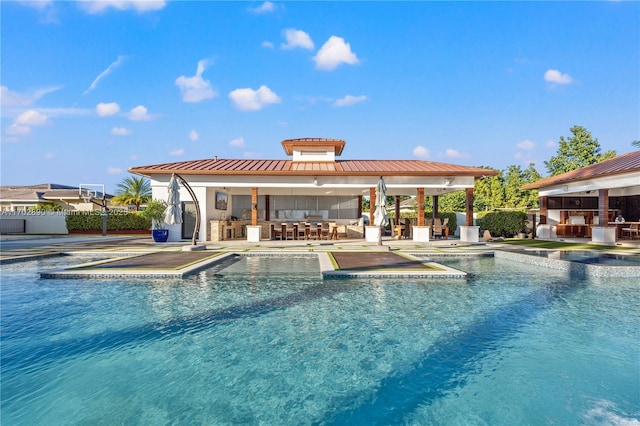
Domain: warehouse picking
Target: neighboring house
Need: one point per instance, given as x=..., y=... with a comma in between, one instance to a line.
x=408, y=206
x=313, y=185
x=578, y=203
x=17, y=198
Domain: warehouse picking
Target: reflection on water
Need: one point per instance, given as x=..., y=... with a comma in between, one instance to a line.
x=267, y=341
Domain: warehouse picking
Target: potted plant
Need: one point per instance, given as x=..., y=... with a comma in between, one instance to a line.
x=154, y=211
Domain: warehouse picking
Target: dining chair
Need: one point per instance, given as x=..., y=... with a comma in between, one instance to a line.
x=323, y=230
x=288, y=231
x=301, y=232
x=633, y=229
x=437, y=231
x=276, y=231
x=406, y=232
x=311, y=230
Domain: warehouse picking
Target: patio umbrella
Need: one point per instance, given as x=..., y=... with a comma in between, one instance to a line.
x=381, y=217
x=173, y=212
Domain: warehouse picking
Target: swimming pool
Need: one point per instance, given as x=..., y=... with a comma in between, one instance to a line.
x=250, y=342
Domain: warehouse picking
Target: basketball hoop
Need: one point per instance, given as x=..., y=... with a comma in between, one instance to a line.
x=88, y=195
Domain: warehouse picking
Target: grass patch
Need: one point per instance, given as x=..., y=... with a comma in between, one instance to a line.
x=559, y=245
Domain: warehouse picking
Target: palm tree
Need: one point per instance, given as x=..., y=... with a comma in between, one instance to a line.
x=636, y=144
x=133, y=190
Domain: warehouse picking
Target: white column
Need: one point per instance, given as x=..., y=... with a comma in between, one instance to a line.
x=603, y=234
x=470, y=234
x=373, y=234
x=421, y=233
x=253, y=233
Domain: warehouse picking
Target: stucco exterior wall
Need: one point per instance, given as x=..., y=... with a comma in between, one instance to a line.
x=39, y=222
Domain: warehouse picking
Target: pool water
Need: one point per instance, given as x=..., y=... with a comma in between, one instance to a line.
x=265, y=340
x=588, y=257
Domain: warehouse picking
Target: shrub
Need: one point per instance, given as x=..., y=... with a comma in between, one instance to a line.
x=154, y=212
x=116, y=221
x=502, y=223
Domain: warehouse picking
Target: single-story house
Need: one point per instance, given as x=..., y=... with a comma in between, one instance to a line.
x=19, y=198
x=586, y=202
x=238, y=195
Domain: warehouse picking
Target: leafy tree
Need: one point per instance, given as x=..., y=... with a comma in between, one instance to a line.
x=577, y=151
x=48, y=207
x=636, y=144
x=488, y=192
x=514, y=179
x=452, y=202
x=133, y=190
x=531, y=175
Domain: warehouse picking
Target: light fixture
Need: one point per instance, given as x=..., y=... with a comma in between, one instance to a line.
x=315, y=181
x=448, y=181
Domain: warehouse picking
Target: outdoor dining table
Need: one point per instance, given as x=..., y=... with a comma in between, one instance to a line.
x=620, y=225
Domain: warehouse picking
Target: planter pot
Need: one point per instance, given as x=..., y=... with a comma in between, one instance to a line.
x=160, y=235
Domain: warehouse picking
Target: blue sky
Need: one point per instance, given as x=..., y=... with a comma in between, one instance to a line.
x=90, y=89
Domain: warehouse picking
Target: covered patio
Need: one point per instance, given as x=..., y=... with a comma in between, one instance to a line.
x=252, y=199
x=585, y=203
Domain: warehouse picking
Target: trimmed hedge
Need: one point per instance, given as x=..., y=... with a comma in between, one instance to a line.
x=502, y=223
x=116, y=221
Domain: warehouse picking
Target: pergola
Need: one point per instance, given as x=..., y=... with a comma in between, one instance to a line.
x=606, y=188
x=313, y=170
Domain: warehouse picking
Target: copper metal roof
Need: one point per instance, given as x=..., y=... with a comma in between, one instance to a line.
x=626, y=163
x=304, y=168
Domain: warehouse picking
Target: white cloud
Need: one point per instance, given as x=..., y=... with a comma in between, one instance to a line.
x=120, y=131
x=66, y=112
x=267, y=44
x=37, y=4
x=114, y=170
x=31, y=118
x=49, y=156
x=349, y=100
x=555, y=76
x=237, y=142
x=196, y=89
x=453, y=153
x=24, y=122
x=296, y=38
x=141, y=6
x=420, y=152
x=550, y=144
x=266, y=7
x=527, y=145
x=105, y=73
x=252, y=100
x=193, y=135
x=18, y=130
x=107, y=109
x=333, y=53
x=9, y=98
x=177, y=152
x=139, y=113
